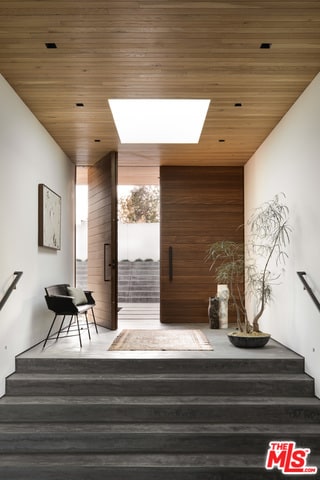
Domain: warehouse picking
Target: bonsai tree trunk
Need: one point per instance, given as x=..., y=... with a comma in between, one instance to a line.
x=264, y=288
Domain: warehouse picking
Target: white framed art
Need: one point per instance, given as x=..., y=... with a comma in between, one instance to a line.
x=49, y=218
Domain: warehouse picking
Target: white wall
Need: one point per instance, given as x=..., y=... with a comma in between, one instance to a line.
x=138, y=240
x=289, y=161
x=135, y=240
x=82, y=240
x=29, y=156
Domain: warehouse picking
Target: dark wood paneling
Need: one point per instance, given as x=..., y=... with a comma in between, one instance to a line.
x=199, y=205
x=102, y=235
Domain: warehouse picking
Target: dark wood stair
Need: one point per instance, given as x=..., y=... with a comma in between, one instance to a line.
x=171, y=418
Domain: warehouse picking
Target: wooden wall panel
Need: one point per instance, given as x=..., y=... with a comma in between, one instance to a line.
x=199, y=205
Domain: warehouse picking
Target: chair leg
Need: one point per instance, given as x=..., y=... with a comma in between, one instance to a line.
x=69, y=324
x=45, y=342
x=94, y=320
x=85, y=313
x=59, y=331
x=79, y=331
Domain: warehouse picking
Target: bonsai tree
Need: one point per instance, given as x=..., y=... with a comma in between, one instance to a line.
x=251, y=269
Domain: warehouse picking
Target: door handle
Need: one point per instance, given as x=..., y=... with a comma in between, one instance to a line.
x=106, y=261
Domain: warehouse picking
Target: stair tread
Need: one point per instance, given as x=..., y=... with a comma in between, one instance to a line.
x=159, y=429
x=158, y=400
x=237, y=377
x=141, y=460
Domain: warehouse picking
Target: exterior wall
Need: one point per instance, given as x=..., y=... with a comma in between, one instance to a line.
x=138, y=240
x=135, y=240
x=29, y=156
x=82, y=241
x=288, y=161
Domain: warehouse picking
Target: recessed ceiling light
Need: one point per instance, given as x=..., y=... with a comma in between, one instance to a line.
x=79, y=104
x=51, y=45
x=159, y=120
x=265, y=45
x=97, y=140
x=221, y=140
x=238, y=104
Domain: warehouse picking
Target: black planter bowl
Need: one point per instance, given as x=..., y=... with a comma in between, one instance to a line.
x=254, y=341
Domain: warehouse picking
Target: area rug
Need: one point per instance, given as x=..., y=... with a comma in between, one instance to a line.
x=167, y=340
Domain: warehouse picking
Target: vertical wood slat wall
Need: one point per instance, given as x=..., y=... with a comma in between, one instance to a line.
x=100, y=233
x=199, y=205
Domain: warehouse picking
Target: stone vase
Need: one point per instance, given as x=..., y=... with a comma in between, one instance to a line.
x=213, y=312
x=223, y=295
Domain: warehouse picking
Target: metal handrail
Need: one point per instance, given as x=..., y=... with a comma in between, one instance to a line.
x=308, y=288
x=12, y=287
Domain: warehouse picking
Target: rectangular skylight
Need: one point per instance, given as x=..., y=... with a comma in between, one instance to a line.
x=159, y=121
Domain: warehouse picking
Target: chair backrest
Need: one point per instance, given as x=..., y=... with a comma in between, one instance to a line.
x=60, y=289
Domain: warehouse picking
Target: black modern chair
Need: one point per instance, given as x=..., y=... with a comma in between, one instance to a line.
x=64, y=300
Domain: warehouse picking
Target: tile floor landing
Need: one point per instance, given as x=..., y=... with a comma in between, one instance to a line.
x=146, y=316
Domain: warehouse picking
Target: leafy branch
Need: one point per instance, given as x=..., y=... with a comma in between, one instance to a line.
x=268, y=237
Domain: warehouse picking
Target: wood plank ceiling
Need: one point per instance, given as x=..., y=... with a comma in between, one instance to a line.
x=159, y=49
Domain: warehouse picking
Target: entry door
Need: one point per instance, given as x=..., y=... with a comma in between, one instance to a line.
x=102, y=239
x=199, y=205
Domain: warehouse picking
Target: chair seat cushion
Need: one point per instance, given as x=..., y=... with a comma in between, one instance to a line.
x=79, y=297
x=83, y=308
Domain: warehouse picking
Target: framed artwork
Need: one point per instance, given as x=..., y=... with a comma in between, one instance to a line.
x=49, y=218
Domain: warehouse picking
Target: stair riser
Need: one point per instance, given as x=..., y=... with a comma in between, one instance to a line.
x=136, y=294
x=142, y=291
x=143, y=281
x=138, y=278
x=144, y=270
x=139, y=300
x=165, y=387
x=150, y=266
x=229, y=413
x=139, y=273
x=148, y=291
x=136, y=473
x=77, y=443
x=170, y=365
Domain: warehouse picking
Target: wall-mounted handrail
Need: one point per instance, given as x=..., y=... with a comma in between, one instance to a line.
x=12, y=287
x=308, y=288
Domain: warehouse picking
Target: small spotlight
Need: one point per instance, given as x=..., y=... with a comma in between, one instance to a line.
x=265, y=45
x=51, y=45
x=79, y=104
x=238, y=104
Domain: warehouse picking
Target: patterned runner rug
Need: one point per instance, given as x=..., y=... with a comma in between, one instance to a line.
x=173, y=339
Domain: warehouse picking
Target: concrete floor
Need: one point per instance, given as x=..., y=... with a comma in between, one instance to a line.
x=146, y=316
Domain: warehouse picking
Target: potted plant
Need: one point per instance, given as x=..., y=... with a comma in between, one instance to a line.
x=251, y=269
